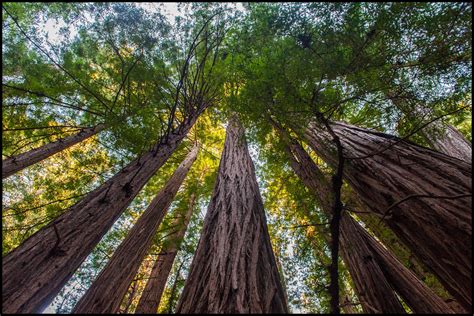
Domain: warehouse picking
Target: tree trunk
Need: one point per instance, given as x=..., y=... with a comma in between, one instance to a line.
x=374, y=270
x=107, y=292
x=26, y=159
x=234, y=268
x=371, y=285
x=151, y=296
x=422, y=195
x=34, y=272
x=419, y=297
x=451, y=142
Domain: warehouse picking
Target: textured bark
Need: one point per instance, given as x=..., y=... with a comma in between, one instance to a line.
x=420, y=298
x=451, y=142
x=375, y=272
x=234, y=269
x=26, y=159
x=107, y=292
x=400, y=251
x=34, y=272
x=371, y=286
x=437, y=230
x=151, y=296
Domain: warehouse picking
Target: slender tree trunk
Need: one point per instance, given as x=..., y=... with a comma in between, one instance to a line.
x=26, y=159
x=151, y=296
x=373, y=269
x=451, y=142
x=422, y=195
x=234, y=269
x=107, y=292
x=34, y=272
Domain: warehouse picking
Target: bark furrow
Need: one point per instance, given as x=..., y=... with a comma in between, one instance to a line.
x=34, y=272
x=234, y=268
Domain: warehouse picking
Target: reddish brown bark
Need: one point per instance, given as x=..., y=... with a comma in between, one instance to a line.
x=371, y=286
x=106, y=293
x=374, y=270
x=451, y=142
x=34, y=272
x=421, y=194
x=26, y=159
x=234, y=269
x=151, y=296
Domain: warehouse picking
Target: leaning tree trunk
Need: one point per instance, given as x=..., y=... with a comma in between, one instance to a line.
x=26, y=159
x=107, y=292
x=234, y=269
x=34, y=272
x=451, y=142
x=422, y=195
x=371, y=285
x=151, y=296
x=375, y=272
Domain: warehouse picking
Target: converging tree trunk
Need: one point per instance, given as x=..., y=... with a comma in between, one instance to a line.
x=375, y=272
x=26, y=159
x=371, y=286
x=451, y=142
x=106, y=293
x=34, y=272
x=422, y=195
x=234, y=268
x=151, y=296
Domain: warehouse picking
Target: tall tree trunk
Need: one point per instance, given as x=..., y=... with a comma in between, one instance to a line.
x=419, y=297
x=34, y=272
x=107, y=292
x=151, y=296
x=234, y=268
x=371, y=286
x=374, y=270
x=422, y=195
x=451, y=142
x=26, y=159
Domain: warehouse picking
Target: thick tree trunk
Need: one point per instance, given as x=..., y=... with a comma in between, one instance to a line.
x=406, y=256
x=374, y=271
x=371, y=285
x=422, y=195
x=34, y=272
x=107, y=292
x=419, y=297
x=151, y=296
x=26, y=159
x=234, y=269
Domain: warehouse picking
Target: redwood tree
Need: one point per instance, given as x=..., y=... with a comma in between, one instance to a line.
x=151, y=296
x=34, y=272
x=234, y=268
x=26, y=159
x=108, y=290
x=424, y=196
x=375, y=272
